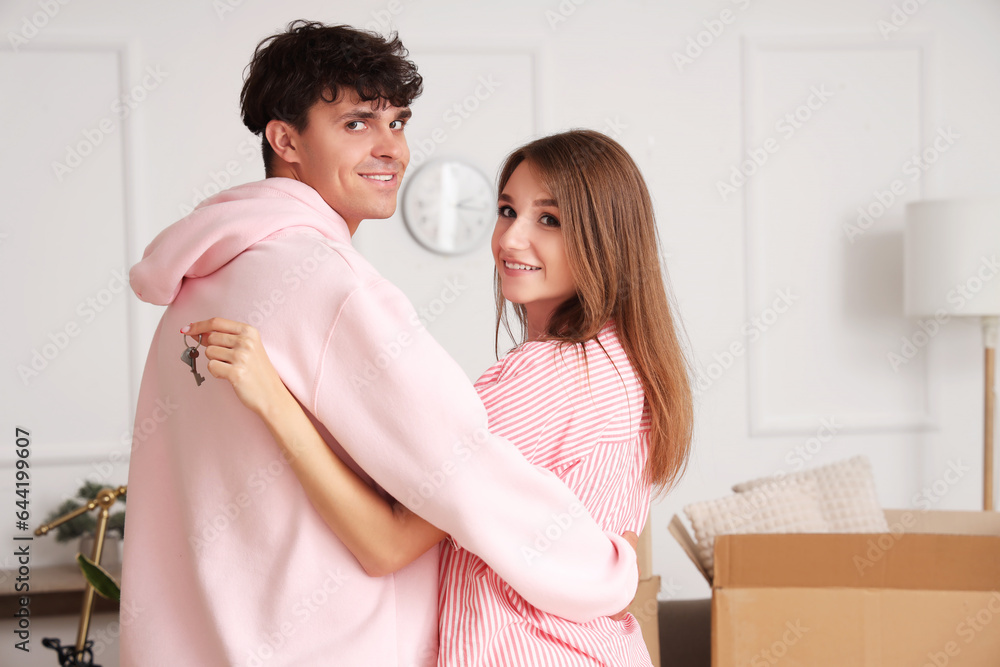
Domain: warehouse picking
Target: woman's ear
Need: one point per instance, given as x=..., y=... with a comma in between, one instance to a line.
x=283, y=139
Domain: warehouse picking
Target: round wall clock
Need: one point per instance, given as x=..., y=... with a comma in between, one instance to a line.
x=449, y=206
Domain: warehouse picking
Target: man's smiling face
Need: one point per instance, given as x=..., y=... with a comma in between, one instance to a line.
x=354, y=154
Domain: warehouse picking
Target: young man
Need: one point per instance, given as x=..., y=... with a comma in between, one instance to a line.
x=226, y=562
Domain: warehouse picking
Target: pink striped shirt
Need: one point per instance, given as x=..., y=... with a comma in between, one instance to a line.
x=586, y=423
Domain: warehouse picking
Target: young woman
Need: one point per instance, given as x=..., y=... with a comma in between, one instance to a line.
x=597, y=393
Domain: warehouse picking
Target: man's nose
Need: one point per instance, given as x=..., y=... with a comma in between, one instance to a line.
x=391, y=146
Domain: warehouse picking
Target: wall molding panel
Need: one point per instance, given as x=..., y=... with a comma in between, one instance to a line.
x=841, y=117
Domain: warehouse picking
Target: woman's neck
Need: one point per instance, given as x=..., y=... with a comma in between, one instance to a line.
x=537, y=321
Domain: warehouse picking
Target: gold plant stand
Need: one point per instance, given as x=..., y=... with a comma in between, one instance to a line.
x=105, y=499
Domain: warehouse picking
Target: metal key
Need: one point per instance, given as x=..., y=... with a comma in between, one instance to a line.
x=189, y=357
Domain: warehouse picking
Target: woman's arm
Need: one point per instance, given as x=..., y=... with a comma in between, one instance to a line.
x=383, y=537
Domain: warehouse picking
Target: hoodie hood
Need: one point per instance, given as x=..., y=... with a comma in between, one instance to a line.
x=222, y=227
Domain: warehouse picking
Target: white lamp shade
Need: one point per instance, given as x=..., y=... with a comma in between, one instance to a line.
x=951, y=254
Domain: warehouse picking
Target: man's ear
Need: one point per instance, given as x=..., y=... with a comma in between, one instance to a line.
x=283, y=139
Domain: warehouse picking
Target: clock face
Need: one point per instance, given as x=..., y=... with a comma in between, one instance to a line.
x=449, y=206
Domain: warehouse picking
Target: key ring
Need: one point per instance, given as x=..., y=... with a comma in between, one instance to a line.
x=192, y=338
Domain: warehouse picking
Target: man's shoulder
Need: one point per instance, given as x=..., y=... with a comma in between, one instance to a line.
x=307, y=254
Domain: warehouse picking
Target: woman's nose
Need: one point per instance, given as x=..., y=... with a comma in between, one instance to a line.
x=515, y=237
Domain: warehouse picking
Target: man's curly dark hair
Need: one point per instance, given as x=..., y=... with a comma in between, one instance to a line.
x=292, y=70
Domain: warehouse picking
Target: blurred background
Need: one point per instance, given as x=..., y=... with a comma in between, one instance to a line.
x=780, y=140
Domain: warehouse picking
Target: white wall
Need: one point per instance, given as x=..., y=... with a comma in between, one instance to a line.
x=609, y=66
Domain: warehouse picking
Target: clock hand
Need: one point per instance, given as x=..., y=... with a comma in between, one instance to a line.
x=464, y=205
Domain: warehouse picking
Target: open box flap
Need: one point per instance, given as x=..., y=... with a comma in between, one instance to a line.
x=683, y=537
x=937, y=522
x=942, y=522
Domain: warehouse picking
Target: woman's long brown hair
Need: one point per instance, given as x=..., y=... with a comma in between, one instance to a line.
x=608, y=224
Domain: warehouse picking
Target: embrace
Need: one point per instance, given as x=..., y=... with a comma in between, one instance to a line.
x=274, y=518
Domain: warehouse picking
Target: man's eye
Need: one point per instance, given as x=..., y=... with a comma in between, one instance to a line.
x=356, y=125
x=506, y=212
x=397, y=124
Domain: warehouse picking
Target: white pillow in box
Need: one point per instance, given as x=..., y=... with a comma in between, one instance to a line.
x=846, y=494
x=777, y=507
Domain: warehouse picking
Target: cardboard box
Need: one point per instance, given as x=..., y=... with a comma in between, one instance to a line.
x=645, y=608
x=926, y=594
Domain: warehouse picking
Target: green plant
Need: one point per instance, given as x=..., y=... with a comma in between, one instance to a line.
x=86, y=523
x=102, y=581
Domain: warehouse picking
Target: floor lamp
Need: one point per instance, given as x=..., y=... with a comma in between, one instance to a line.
x=951, y=250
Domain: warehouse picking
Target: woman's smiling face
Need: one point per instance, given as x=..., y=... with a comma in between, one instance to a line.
x=529, y=248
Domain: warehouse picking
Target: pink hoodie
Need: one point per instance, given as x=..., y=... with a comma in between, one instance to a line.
x=226, y=561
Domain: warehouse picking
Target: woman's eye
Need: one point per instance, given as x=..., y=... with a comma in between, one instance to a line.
x=549, y=220
x=506, y=212
x=356, y=125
